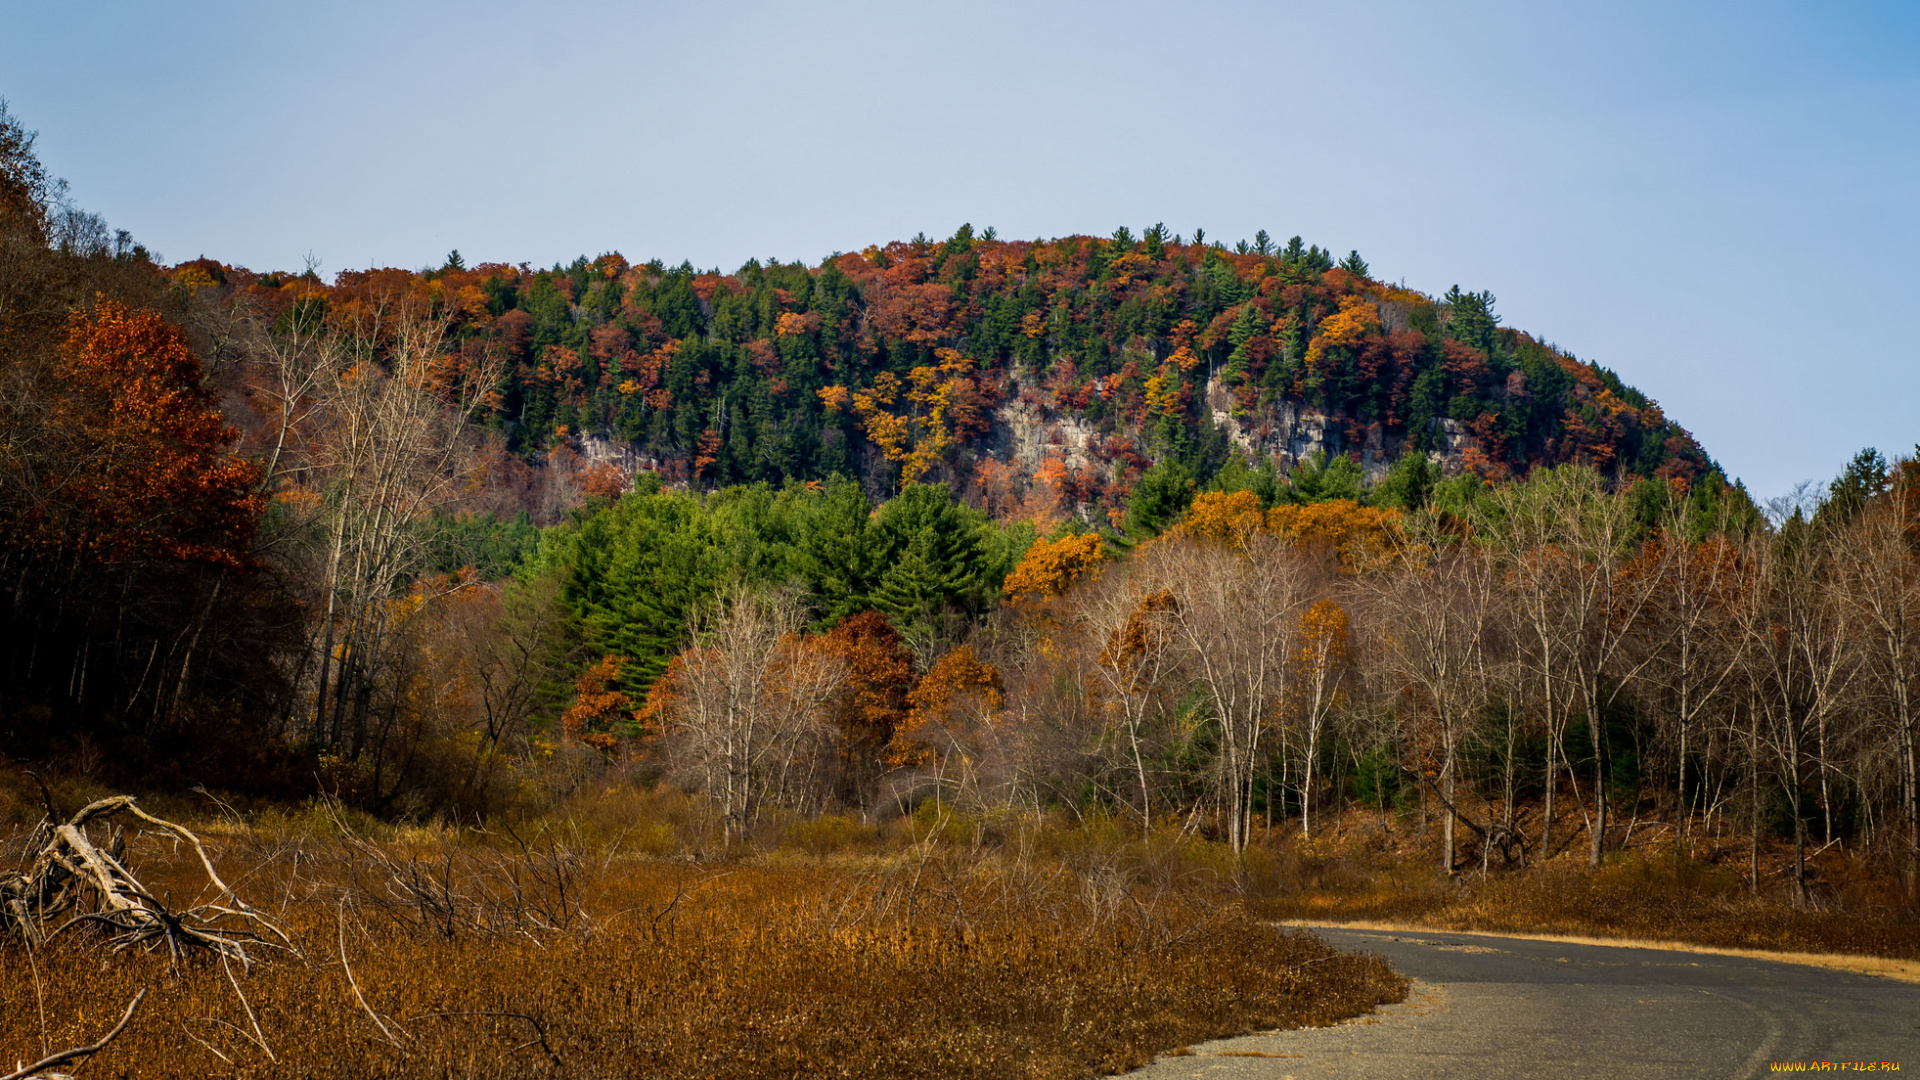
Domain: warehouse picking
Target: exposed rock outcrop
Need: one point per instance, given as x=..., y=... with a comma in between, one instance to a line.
x=1285, y=432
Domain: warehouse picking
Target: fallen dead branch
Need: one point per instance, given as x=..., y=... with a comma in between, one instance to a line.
x=355, y=984
x=71, y=881
x=39, y=1068
x=456, y=891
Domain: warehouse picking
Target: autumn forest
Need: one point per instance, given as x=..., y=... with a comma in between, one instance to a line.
x=1179, y=540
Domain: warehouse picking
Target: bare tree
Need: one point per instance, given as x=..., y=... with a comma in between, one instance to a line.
x=1689, y=647
x=1799, y=664
x=1880, y=581
x=1238, y=616
x=1565, y=537
x=1320, y=668
x=1133, y=621
x=391, y=447
x=1435, y=615
x=745, y=706
x=508, y=641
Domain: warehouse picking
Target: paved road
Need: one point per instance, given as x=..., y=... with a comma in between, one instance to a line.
x=1493, y=1007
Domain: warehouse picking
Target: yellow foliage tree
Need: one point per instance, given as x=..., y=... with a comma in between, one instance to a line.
x=1050, y=567
x=1356, y=319
x=936, y=404
x=1224, y=517
x=1357, y=536
x=1163, y=390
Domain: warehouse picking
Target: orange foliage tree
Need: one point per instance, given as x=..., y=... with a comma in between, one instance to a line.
x=152, y=475
x=600, y=708
x=604, y=481
x=877, y=675
x=951, y=718
x=1051, y=566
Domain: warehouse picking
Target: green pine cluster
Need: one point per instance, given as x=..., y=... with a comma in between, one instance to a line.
x=633, y=572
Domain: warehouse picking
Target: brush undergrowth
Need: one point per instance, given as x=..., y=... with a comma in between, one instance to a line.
x=552, y=950
x=1658, y=893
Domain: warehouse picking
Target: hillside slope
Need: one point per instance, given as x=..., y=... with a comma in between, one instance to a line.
x=1064, y=367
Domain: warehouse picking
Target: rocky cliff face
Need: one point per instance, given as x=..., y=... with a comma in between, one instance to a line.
x=1284, y=432
x=1287, y=433
x=599, y=448
x=1030, y=434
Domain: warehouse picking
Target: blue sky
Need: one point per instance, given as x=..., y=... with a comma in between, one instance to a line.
x=1720, y=201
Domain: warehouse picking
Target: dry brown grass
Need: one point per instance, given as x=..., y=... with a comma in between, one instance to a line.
x=427, y=956
x=1654, y=894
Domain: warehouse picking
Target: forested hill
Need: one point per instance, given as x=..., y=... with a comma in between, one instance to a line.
x=1068, y=365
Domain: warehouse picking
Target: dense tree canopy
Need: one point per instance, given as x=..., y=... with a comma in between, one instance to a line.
x=888, y=365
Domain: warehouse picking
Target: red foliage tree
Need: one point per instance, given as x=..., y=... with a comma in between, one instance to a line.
x=151, y=474
x=600, y=708
x=872, y=702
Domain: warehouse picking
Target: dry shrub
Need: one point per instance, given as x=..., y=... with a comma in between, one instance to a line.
x=829, y=835
x=525, y=954
x=654, y=820
x=1666, y=896
x=1650, y=894
x=1326, y=879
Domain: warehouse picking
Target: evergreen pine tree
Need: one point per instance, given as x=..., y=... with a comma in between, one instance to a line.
x=1159, y=499
x=836, y=553
x=1471, y=318
x=930, y=556
x=1321, y=477
x=914, y=588
x=1246, y=326
x=1864, y=478
x=1408, y=484
x=1156, y=240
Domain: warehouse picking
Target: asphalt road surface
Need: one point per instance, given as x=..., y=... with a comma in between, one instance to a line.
x=1494, y=1007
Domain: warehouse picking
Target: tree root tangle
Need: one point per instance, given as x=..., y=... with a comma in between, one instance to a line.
x=70, y=881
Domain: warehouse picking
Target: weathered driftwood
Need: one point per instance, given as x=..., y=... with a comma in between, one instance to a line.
x=69, y=881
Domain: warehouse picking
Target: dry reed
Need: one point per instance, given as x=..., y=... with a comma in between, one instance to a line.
x=426, y=957
x=1655, y=893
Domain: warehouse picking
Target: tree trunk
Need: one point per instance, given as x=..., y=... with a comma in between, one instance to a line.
x=1546, y=824
x=1596, y=842
x=1912, y=785
x=1799, y=845
x=1753, y=784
